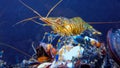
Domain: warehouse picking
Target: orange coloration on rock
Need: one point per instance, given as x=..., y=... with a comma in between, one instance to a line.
x=43, y=59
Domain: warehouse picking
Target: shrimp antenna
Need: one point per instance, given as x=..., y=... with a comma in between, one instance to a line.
x=53, y=8
x=15, y=49
x=30, y=8
x=28, y=19
x=39, y=16
x=114, y=22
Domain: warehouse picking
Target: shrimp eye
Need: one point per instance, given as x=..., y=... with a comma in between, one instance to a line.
x=58, y=20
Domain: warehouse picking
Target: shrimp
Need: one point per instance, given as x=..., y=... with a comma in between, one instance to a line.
x=61, y=25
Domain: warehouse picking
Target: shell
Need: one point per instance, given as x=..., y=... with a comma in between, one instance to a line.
x=113, y=38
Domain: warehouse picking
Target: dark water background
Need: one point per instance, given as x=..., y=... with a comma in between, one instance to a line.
x=21, y=36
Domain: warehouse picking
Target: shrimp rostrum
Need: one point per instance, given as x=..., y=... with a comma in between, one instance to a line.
x=61, y=25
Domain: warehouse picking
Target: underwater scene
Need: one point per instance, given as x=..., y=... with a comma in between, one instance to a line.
x=59, y=33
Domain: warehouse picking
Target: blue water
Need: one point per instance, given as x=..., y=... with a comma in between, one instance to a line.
x=21, y=36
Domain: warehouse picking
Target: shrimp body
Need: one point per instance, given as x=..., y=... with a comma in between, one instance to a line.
x=68, y=27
